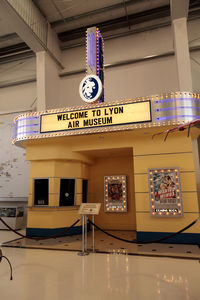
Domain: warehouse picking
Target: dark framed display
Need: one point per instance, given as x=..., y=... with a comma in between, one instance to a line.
x=67, y=192
x=41, y=191
x=115, y=195
x=165, y=192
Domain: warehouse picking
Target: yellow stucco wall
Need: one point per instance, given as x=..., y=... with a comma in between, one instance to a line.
x=69, y=157
x=120, y=165
x=176, y=151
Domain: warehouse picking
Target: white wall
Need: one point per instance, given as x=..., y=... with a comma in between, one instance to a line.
x=18, y=98
x=17, y=70
x=127, y=81
x=194, y=40
x=48, y=82
x=141, y=79
x=14, y=170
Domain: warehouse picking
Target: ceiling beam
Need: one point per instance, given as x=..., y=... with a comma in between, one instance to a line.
x=136, y=18
x=90, y=13
x=26, y=20
x=179, y=9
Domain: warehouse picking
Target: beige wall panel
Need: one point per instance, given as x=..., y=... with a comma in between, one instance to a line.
x=53, y=199
x=141, y=183
x=188, y=182
x=189, y=200
x=30, y=191
x=142, y=202
x=78, y=199
x=78, y=185
x=176, y=142
x=42, y=169
x=182, y=160
x=91, y=197
x=52, y=219
x=147, y=223
x=67, y=169
x=121, y=165
x=85, y=170
x=54, y=185
x=30, y=200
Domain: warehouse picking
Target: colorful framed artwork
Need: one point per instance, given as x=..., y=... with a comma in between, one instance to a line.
x=165, y=192
x=115, y=195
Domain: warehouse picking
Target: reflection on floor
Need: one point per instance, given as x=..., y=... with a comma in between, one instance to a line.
x=107, y=244
x=59, y=275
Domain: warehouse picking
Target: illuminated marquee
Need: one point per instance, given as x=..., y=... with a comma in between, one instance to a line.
x=91, y=46
x=123, y=114
x=95, y=55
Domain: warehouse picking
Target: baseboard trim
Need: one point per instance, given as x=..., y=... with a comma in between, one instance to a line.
x=182, y=238
x=45, y=232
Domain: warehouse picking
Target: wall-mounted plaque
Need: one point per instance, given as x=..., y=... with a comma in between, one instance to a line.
x=165, y=192
x=115, y=197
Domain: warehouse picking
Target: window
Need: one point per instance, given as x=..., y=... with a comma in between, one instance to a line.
x=67, y=192
x=41, y=191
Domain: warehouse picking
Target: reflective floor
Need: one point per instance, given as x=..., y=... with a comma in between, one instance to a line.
x=107, y=244
x=59, y=275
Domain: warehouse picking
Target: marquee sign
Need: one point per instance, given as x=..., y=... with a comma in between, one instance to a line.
x=154, y=111
x=124, y=114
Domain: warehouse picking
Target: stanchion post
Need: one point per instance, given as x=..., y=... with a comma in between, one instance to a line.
x=84, y=235
x=93, y=250
x=84, y=210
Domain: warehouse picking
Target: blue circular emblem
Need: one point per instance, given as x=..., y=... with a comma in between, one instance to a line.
x=90, y=88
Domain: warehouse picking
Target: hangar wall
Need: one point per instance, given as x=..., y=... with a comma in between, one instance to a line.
x=151, y=76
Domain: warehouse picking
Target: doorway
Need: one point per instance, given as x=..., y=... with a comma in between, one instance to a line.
x=112, y=162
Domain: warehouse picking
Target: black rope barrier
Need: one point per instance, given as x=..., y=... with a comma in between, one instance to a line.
x=3, y=256
x=11, y=270
x=144, y=242
x=60, y=233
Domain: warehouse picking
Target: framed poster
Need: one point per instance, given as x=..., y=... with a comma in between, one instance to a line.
x=115, y=196
x=165, y=192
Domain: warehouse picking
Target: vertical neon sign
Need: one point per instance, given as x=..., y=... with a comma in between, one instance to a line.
x=95, y=55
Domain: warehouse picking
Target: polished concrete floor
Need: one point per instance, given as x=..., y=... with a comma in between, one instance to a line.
x=58, y=275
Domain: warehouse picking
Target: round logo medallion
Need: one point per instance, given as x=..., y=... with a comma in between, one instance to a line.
x=90, y=88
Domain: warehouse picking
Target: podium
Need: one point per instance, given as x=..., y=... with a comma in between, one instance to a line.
x=84, y=210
